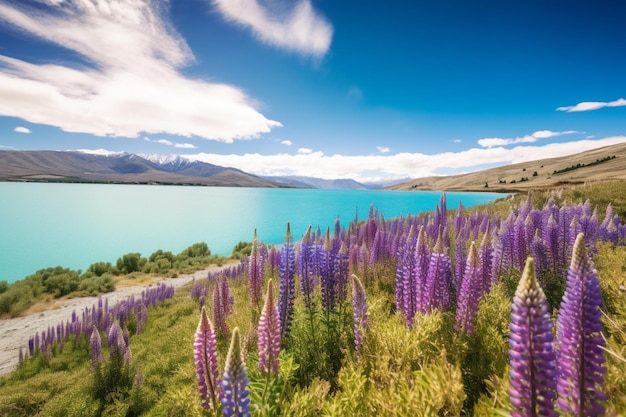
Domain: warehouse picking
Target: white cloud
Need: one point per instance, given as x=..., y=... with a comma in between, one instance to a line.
x=100, y=151
x=170, y=143
x=130, y=81
x=22, y=129
x=297, y=28
x=286, y=142
x=305, y=151
x=383, y=149
x=402, y=165
x=534, y=137
x=593, y=105
x=457, y=140
x=185, y=146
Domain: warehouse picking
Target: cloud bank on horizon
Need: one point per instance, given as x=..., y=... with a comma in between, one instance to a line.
x=124, y=70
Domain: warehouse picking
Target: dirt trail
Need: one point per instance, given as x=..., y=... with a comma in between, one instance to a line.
x=15, y=332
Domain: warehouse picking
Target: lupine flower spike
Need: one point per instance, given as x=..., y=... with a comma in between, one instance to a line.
x=255, y=273
x=269, y=334
x=95, y=342
x=205, y=354
x=470, y=292
x=359, y=307
x=235, y=399
x=533, y=369
x=287, y=289
x=579, y=328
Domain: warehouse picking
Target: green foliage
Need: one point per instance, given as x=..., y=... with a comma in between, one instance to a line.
x=101, y=268
x=241, y=250
x=197, y=250
x=131, y=262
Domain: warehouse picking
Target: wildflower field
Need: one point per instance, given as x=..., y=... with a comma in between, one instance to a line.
x=514, y=309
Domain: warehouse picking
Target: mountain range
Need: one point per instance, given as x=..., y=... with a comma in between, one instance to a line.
x=72, y=166
x=601, y=164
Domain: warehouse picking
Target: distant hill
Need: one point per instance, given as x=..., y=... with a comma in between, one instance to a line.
x=70, y=166
x=597, y=165
x=311, y=182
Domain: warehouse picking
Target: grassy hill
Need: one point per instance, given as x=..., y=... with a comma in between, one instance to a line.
x=594, y=166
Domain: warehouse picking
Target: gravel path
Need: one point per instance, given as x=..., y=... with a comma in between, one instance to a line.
x=15, y=332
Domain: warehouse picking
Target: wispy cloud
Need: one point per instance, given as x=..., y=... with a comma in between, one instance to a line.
x=170, y=143
x=22, y=129
x=286, y=142
x=534, y=137
x=130, y=81
x=383, y=149
x=593, y=105
x=305, y=151
x=372, y=168
x=296, y=27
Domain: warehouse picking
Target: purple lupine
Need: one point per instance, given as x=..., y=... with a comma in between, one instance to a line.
x=580, y=341
x=359, y=313
x=95, y=343
x=307, y=267
x=205, y=354
x=469, y=294
x=222, y=306
x=422, y=261
x=485, y=260
x=460, y=256
x=118, y=340
x=256, y=269
x=269, y=334
x=287, y=289
x=439, y=281
x=405, y=278
x=532, y=358
x=342, y=271
x=327, y=275
x=235, y=399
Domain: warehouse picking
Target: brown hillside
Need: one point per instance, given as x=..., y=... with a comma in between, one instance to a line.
x=595, y=166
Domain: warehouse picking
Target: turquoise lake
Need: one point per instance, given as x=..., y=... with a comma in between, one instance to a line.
x=75, y=225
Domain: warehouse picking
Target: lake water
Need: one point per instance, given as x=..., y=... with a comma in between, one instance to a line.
x=75, y=225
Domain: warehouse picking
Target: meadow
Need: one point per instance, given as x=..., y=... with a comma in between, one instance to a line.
x=437, y=314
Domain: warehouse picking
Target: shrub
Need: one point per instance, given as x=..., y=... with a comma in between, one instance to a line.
x=131, y=262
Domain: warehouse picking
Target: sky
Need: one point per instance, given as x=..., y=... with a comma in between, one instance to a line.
x=368, y=90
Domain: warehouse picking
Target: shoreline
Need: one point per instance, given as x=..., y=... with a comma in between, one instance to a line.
x=15, y=332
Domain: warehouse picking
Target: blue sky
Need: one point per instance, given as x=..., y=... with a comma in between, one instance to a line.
x=333, y=89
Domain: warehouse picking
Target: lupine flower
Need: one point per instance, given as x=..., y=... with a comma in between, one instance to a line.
x=579, y=332
x=359, y=308
x=287, y=290
x=205, y=354
x=256, y=269
x=118, y=345
x=422, y=261
x=235, y=399
x=327, y=275
x=533, y=369
x=342, y=270
x=95, y=342
x=485, y=259
x=469, y=294
x=307, y=267
x=405, y=278
x=269, y=334
x=222, y=305
x=439, y=282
